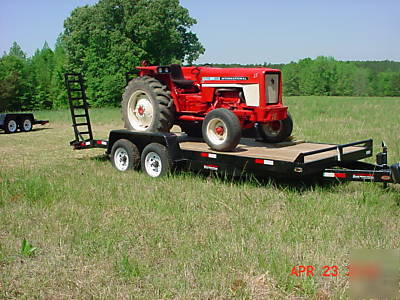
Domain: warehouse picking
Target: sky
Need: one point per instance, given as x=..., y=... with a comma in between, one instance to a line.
x=242, y=31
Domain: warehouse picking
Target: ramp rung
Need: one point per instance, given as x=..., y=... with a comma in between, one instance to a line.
x=84, y=132
x=81, y=106
x=75, y=98
x=74, y=81
x=79, y=116
x=80, y=124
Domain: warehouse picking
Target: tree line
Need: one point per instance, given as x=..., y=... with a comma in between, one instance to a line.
x=105, y=40
x=325, y=76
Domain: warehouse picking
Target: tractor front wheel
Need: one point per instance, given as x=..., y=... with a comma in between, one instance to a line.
x=276, y=131
x=221, y=130
x=147, y=106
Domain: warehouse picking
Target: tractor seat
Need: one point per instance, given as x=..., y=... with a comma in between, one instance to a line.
x=178, y=78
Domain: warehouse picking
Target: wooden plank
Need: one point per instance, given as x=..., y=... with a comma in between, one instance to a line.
x=287, y=151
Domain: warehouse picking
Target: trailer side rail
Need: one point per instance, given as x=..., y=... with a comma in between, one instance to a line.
x=367, y=144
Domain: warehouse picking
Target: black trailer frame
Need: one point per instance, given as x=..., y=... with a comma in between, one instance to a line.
x=298, y=160
x=344, y=166
x=11, y=122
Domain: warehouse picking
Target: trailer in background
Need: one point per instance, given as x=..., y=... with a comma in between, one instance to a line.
x=11, y=122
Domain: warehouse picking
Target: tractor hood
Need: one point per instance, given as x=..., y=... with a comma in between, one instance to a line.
x=232, y=75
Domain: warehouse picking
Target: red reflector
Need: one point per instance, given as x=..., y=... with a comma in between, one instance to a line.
x=385, y=177
x=364, y=174
x=340, y=175
x=259, y=161
x=203, y=154
x=99, y=142
x=83, y=144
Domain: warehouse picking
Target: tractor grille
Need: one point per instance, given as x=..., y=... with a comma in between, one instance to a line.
x=272, y=88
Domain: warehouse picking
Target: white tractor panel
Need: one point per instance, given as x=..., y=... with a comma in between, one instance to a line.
x=252, y=94
x=251, y=91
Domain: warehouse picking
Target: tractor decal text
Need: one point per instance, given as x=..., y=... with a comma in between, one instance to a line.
x=223, y=78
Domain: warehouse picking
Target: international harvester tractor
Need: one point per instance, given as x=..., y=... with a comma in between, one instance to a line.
x=215, y=103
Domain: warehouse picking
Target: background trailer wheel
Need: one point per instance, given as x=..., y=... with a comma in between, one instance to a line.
x=10, y=126
x=221, y=130
x=156, y=160
x=125, y=155
x=26, y=125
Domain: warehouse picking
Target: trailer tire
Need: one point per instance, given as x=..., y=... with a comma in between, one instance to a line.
x=10, y=126
x=156, y=160
x=125, y=155
x=276, y=131
x=221, y=130
x=192, y=129
x=147, y=106
x=26, y=124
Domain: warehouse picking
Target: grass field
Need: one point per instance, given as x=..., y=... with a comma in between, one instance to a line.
x=105, y=234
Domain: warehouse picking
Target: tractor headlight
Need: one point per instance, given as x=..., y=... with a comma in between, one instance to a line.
x=272, y=88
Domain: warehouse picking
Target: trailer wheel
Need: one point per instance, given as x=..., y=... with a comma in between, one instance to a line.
x=221, y=130
x=156, y=160
x=125, y=155
x=10, y=126
x=26, y=125
x=147, y=106
x=276, y=131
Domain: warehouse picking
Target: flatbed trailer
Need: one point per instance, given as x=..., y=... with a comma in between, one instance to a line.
x=159, y=153
x=11, y=122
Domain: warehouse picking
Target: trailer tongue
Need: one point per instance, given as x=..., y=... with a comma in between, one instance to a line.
x=158, y=153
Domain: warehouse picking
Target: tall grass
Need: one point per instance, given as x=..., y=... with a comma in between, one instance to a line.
x=105, y=234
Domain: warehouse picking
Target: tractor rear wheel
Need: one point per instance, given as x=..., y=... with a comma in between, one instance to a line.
x=221, y=130
x=276, y=131
x=147, y=106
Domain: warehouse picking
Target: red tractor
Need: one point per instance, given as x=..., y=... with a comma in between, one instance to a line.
x=214, y=103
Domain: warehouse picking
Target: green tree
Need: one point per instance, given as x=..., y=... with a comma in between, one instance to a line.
x=290, y=75
x=41, y=66
x=110, y=38
x=388, y=84
x=58, y=93
x=16, y=51
x=15, y=90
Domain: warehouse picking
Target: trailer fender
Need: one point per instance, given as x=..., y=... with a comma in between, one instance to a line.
x=142, y=139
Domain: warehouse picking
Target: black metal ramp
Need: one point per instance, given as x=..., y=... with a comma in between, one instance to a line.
x=79, y=107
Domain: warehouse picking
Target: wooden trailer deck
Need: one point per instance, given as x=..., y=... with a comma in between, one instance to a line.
x=286, y=151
